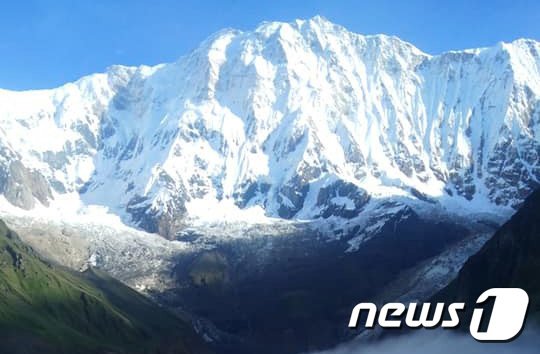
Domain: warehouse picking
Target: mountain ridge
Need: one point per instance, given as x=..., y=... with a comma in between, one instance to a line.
x=300, y=120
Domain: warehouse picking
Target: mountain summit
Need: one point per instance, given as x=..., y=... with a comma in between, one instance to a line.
x=300, y=120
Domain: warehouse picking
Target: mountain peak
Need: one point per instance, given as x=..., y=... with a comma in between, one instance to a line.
x=320, y=22
x=299, y=120
x=315, y=21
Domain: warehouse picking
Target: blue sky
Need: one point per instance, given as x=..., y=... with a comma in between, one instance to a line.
x=44, y=43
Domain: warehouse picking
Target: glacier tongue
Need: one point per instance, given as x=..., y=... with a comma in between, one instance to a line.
x=300, y=120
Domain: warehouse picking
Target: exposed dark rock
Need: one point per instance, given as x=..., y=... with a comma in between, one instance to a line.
x=22, y=186
x=250, y=191
x=336, y=199
x=154, y=220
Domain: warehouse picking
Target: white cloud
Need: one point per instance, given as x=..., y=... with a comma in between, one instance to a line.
x=441, y=342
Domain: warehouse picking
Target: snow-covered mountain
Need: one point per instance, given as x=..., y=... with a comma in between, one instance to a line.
x=301, y=120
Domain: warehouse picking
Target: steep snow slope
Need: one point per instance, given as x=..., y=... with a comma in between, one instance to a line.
x=300, y=120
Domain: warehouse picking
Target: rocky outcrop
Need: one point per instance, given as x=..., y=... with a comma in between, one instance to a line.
x=22, y=187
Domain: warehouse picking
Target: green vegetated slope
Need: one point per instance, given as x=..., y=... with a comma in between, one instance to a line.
x=48, y=309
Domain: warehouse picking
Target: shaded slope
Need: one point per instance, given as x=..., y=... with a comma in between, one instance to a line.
x=294, y=294
x=511, y=258
x=47, y=309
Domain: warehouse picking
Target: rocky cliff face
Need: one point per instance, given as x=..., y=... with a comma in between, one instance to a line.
x=300, y=120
